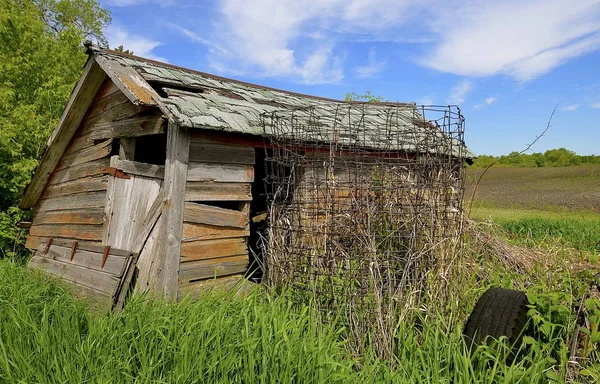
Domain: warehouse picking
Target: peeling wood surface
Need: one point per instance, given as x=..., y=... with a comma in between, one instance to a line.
x=212, y=249
x=211, y=191
x=220, y=173
x=206, y=214
x=130, y=83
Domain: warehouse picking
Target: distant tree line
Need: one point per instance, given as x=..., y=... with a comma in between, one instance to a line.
x=560, y=157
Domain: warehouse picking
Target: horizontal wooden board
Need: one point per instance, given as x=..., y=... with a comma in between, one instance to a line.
x=79, y=142
x=98, y=302
x=132, y=127
x=114, y=265
x=91, y=246
x=121, y=111
x=85, y=155
x=206, y=269
x=141, y=169
x=229, y=173
x=206, y=214
x=93, y=168
x=70, y=231
x=103, y=104
x=107, y=88
x=211, y=191
x=210, y=249
x=99, y=281
x=75, y=201
x=77, y=216
x=205, y=152
x=193, y=232
x=86, y=184
x=196, y=288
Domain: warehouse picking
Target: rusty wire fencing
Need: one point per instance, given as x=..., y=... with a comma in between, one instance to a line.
x=365, y=211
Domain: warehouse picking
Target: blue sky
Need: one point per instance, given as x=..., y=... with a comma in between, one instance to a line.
x=507, y=64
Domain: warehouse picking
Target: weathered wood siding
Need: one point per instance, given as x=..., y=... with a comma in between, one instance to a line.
x=102, y=274
x=216, y=217
x=72, y=203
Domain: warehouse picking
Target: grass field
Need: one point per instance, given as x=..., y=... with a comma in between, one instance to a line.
x=564, y=189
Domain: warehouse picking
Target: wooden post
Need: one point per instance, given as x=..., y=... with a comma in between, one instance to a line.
x=176, y=165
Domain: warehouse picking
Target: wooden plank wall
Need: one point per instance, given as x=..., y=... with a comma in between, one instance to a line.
x=216, y=213
x=102, y=274
x=72, y=203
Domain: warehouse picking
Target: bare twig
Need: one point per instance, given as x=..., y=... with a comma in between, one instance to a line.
x=510, y=157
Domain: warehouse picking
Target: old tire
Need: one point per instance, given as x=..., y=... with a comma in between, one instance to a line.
x=499, y=312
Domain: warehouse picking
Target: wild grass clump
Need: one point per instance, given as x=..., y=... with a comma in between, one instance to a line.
x=580, y=234
x=48, y=336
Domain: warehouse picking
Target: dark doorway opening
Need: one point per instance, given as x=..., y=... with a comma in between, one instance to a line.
x=258, y=217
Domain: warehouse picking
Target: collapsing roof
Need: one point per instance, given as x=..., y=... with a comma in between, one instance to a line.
x=202, y=101
x=199, y=100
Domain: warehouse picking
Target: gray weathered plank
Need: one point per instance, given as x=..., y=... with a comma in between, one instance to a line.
x=198, y=288
x=76, y=216
x=211, y=249
x=194, y=232
x=206, y=269
x=206, y=214
x=220, y=173
x=88, y=154
x=148, y=268
x=176, y=166
x=86, y=184
x=93, y=168
x=211, y=191
x=81, y=98
x=75, y=201
x=142, y=169
x=145, y=227
x=99, y=281
x=204, y=152
x=133, y=127
x=90, y=246
x=114, y=265
x=69, y=231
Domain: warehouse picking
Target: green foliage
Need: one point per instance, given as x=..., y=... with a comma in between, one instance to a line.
x=367, y=96
x=560, y=157
x=47, y=336
x=41, y=58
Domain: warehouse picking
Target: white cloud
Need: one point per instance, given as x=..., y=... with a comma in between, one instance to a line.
x=596, y=105
x=140, y=45
x=426, y=100
x=520, y=38
x=372, y=68
x=459, y=92
x=488, y=101
x=571, y=108
x=300, y=39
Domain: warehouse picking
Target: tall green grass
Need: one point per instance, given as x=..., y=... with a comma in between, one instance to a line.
x=581, y=234
x=46, y=336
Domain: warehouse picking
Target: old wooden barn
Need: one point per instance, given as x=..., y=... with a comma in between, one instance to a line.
x=153, y=175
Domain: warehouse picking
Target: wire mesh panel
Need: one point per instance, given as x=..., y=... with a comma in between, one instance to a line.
x=365, y=208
